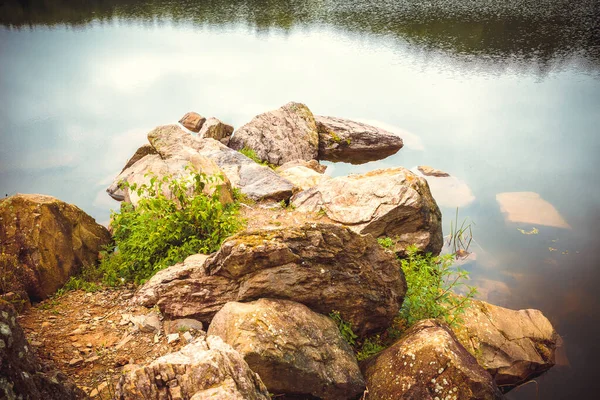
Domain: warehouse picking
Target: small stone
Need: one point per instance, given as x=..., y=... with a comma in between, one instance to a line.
x=88, y=345
x=188, y=337
x=36, y=343
x=172, y=338
x=75, y=361
x=46, y=324
x=92, y=359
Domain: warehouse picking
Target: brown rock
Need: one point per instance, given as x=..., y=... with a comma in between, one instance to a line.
x=140, y=153
x=192, y=121
x=326, y=267
x=293, y=349
x=390, y=202
x=22, y=376
x=286, y=134
x=312, y=164
x=430, y=171
x=354, y=142
x=428, y=363
x=513, y=346
x=45, y=241
x=205, y=367
x=215, y=129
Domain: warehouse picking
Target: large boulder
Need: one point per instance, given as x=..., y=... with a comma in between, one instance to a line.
x=175, y=150
x=303, y=177
x=326, y=267
x=50, y=241
x=293, y=349
x=354, y=142
x=428, y=363
x=286, y=134
x=215, y=129
x=513, y=346
x=205, y=369
x=22, y=375
x=386, y=202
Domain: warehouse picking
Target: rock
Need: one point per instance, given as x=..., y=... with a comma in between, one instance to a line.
x=187, y=336
x=428, y=363
x=182, y=325
x=140, y=153
x=21, y=373
x=303, y=177
x=172, y=338
x=215, y=129
x=175, y=156
x=146, y=323
x=205, y=367
x=293, y=349
x=75, y=362
x=529, y=208
x=354, y=142
x=44, y=241
x=513, y=346
x=192, y=121
x=430, y=171
x=286, y=134
x=19, y=300
x=326, y=267
x=312, y=164
x=390, y=202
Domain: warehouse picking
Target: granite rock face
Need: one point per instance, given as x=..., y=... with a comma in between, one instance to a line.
x=48, y=241
x=293, y=349
x=390, y=202
x=513, y=346
x=428, y=363
x=286, y=134
x=323, y=266
x=205, y=369
x=354, y=142
x=22, y=376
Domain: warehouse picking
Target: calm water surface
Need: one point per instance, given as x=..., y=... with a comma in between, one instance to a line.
x=504, y=96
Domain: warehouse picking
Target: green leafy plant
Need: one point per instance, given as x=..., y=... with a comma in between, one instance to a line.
x=370, y=346
x=386, y=242
x=364, y=348
x=251, y=154
x=344, y=327
x=161, y=230
x=432, y=283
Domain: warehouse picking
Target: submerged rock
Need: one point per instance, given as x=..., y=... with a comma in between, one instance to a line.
x=293, y=349
x=529, y=208
x=448, y=191
x=49, y=241
x=427, y=363
x=513, y=346
x=192, y=121
x=386, y=202
x=326, y=267
x=215, y=129
x=354, y=142
x=204, y=369
x=286, y=134
x=22, y=376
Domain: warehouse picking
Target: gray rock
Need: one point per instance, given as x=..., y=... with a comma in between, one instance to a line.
x=146, y=323
x=513, y=346
x=293, y=349
x=177, y=375
x=428, y=363
x=286, y=134
x=354, y=142
x=215, y=129
x=312, y=164
x=386, y=202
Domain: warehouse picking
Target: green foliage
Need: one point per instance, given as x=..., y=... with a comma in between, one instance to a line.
x=251, y=154
x=431, y=288
x=163, y=230
x=241, y=197
x=344, y=327
x=370, y=347
x=88, y=281
x=386, y=242
x=460, y=238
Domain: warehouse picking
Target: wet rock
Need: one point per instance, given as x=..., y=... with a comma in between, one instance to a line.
x=430, y=171
x=215, y=129
x=312, y=164
x=354, y=142
x=427, y=363
x=286, y=134
x=176, y=375
x=326, y=267
x=21, y=373
x=192, y=121
x=293, y=349
x=513, y=346
x=386, y=202
x=44, y=241
x=303, y=177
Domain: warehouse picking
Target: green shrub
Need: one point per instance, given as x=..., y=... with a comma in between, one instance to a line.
x=431, y=288
x=344, y=327
x=163, y=230
x=386, y=242
x=251, y=154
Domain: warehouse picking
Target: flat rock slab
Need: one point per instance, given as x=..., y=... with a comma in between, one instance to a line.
x=428, y=362
x=514, y=346
x=293, y=349
x=324, y=266
x=354, y=142
x=386, y=202
x=529, y=208
x=286, y=134
x=204, y=369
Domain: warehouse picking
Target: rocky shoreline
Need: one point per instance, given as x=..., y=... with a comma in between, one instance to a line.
x=251, y=321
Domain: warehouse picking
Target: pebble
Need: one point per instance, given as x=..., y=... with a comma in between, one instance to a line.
x=75, y=361
x=172, y=338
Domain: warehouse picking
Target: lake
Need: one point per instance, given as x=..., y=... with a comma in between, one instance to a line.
x=505, y=96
